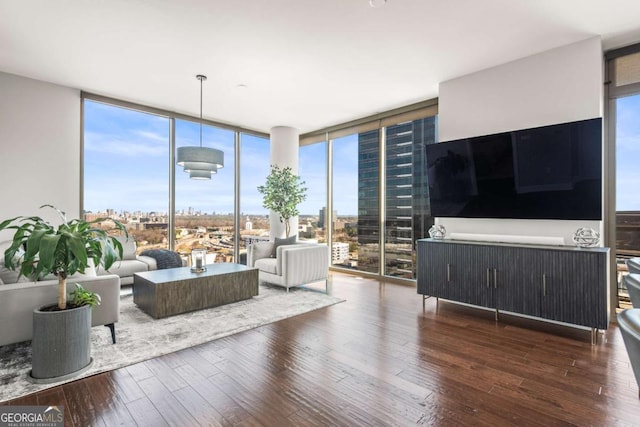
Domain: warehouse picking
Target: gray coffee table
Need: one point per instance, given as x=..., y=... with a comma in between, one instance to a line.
x=163, y=293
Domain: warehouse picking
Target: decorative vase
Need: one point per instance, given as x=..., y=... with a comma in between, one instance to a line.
x=437, y=232
x=586, y=237
x=61, y=344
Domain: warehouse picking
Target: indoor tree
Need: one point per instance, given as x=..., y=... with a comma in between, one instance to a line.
x=282, y=193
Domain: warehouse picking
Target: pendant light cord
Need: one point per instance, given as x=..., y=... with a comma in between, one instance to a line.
x=200, y=78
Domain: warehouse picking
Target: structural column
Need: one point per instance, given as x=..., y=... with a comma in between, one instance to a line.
x=284, y=153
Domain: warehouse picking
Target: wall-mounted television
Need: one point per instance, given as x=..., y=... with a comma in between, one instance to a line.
x=549, y=172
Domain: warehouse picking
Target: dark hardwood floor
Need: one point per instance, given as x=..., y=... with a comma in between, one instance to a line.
x=376, y=359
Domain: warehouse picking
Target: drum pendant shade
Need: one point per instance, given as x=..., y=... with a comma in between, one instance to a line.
x=200, y=174
x=189, y=166
x=201, y=155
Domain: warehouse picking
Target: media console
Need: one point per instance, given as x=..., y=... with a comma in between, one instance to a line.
x=560, y=283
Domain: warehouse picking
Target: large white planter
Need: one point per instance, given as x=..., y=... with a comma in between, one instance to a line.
x=61, y=344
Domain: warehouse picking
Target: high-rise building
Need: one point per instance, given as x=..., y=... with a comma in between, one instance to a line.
x=407, y=213
x=322, y=217
x=368, y=205
x=339, y=252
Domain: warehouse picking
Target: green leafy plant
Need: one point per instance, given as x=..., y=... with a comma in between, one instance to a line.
x=282, y=193
x=80, y=296
x=39, y=248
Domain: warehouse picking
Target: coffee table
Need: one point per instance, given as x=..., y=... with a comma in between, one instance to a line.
x=163, y=293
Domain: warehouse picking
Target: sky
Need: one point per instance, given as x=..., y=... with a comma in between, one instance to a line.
x=628, y=153
x=126, y=167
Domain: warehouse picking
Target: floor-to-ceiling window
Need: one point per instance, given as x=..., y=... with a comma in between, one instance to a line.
x=408, y=216
x=312, y=168
x=127, y=175
x=376, y=209
x=628, y=176
x=126, y=171
x=380, y=201
x=624, y=116
x=355, y=216
x=204, y=208
x=254, y=168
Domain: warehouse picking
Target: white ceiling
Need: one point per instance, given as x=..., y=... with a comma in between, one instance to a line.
x=306, y=64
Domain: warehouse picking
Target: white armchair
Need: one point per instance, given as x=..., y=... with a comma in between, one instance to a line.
x=293, y=265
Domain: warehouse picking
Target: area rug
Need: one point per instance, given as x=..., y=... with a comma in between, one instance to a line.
x=140, y=337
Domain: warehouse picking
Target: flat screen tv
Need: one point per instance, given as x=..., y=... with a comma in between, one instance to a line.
x=550, y=172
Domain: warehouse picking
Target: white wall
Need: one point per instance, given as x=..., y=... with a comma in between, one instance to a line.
x=39, y=148
x=561, y=85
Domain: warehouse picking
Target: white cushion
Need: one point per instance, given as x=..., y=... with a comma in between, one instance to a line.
x=16, y=258
x=152, y=264
x=125, y=268
x=128, y=247
x=10, y=276
x=268, y=265
x=90, y=271
x=6, y=275
x=260, y=250
x=4, y=245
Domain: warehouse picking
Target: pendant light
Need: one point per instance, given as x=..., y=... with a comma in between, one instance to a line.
x=190, y=166
x=200, y=162
x=200, y=174
x=197, y=170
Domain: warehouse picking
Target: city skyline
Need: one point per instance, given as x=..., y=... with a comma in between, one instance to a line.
x=185, y=212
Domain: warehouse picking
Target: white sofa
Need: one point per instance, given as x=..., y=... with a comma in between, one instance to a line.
x=130, y=262
x=293, y=265
x=18, y=300
x=19, y=296
x=124, y=268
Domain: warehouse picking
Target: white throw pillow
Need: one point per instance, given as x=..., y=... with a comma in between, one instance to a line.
x=11, y=276
x=128, y=247
x=4, y=245
x=8, y=276
x=262, y=250
x=90, y=271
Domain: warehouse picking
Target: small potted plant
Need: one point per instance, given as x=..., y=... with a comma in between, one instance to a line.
x=61, y=332
x=282, y=193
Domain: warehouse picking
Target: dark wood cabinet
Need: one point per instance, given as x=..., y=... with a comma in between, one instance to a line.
x=575, y=288
x=565, y=284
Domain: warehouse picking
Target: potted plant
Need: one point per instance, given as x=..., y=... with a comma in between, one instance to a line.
x=282, y=193
x=61, y=332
